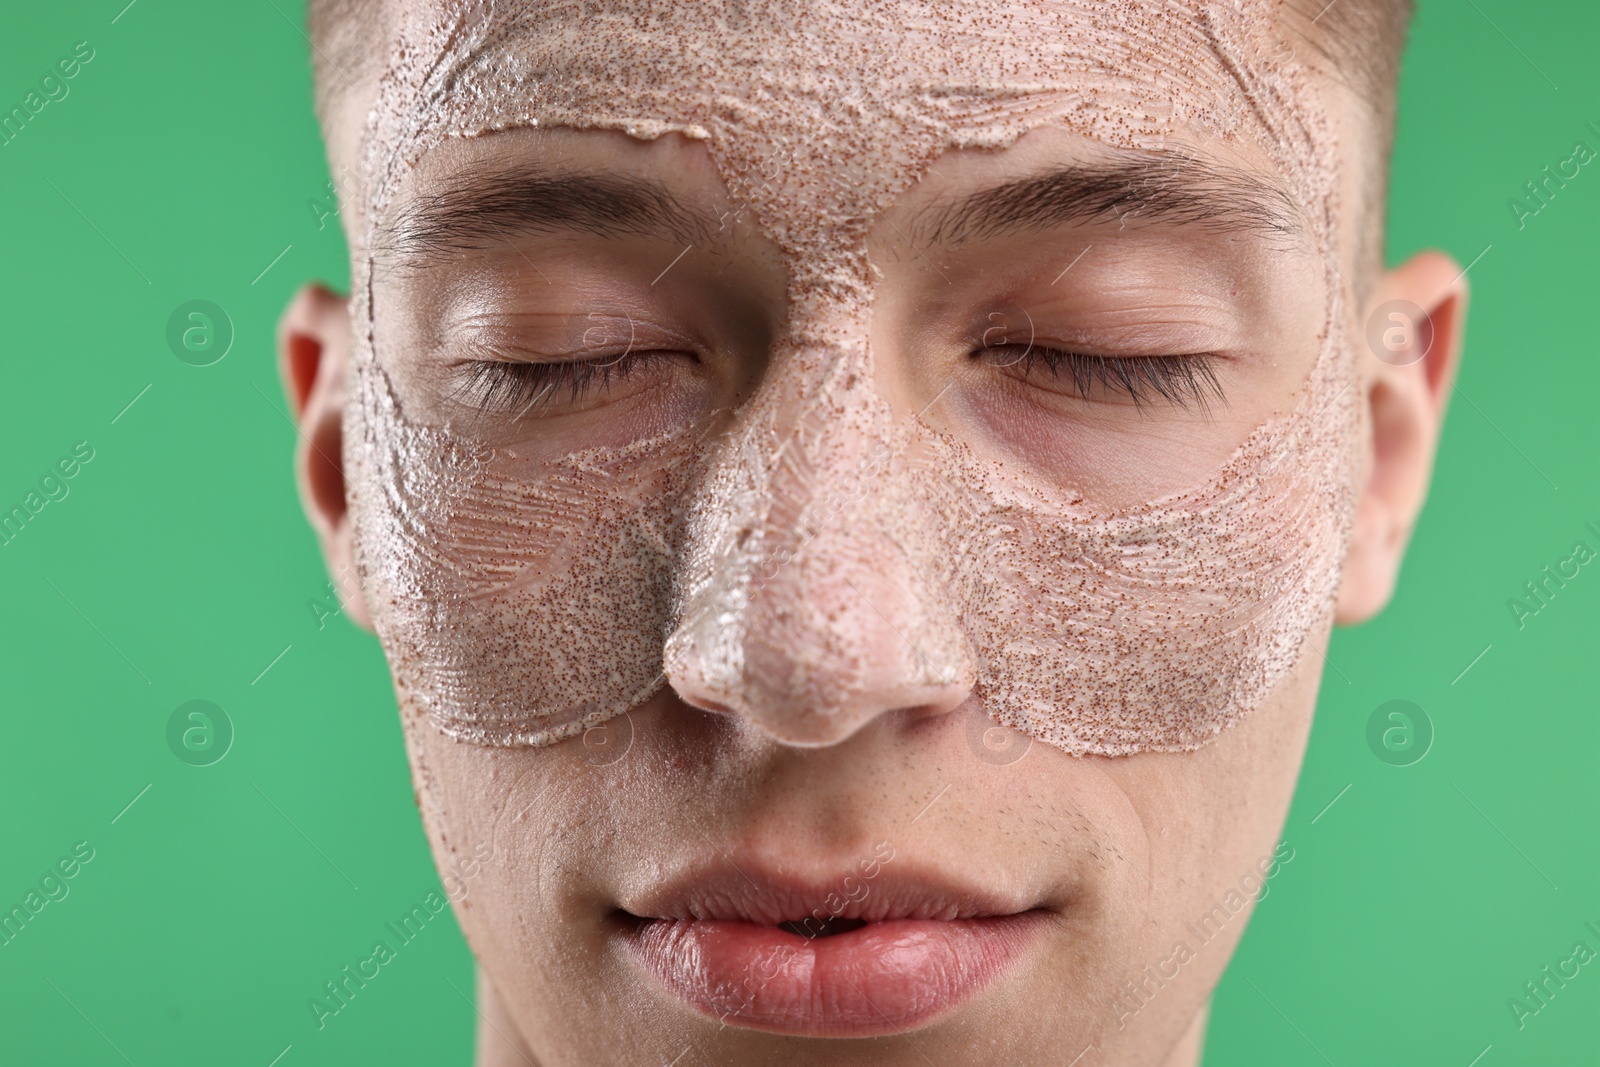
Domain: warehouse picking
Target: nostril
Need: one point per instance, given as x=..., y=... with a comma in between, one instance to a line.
x=686, y=677
x=942, y=700
x=716, y=707
x=927, y=711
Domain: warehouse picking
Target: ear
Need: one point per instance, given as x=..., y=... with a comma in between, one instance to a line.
x=1408, y=354
x=314, y=340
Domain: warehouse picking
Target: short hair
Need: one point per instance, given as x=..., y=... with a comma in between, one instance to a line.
x=346, y=40
x=1360, y=42
x=1357, y=43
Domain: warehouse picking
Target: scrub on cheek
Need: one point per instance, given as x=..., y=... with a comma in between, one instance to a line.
x=523, y=597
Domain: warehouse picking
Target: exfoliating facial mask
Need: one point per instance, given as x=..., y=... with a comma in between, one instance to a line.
x=524, y=600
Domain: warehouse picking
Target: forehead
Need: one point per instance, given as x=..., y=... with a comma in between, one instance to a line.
x=840, y=107
x=476, y=192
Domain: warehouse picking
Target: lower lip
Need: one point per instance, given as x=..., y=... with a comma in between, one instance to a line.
x=881, y=978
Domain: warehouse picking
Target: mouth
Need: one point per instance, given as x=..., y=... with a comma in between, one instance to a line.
x=847, y=956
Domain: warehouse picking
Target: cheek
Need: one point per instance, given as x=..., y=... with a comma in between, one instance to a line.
x=1116, y=459
x=518, y=602
x=1206, y=821
x=539, y=814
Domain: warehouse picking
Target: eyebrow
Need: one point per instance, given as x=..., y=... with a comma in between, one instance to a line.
x=1179, y=190
x=483, y=209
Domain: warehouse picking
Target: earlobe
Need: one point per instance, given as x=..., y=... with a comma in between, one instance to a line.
x=314, y=340
x=1407, y=355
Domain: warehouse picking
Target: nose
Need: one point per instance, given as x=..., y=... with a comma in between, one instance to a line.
x=823, y=645
x=814, y=603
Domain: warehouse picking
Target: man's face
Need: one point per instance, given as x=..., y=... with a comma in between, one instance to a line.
x=1111, y=335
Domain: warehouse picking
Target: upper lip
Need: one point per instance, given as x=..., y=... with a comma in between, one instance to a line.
x=750, y=890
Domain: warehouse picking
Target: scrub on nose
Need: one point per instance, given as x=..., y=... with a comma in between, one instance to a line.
x=521, y=601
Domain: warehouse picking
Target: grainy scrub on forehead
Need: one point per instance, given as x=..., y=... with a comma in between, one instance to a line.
x=524, y=597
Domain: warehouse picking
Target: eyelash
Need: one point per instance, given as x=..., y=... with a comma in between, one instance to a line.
x=499, y=386
x=504, y=386
x=1181, y=380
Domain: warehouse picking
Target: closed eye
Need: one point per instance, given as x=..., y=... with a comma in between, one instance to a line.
x=1184, y=381
x=496, y=387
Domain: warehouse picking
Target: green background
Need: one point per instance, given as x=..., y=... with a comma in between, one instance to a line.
x=180, y=167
